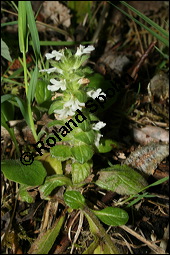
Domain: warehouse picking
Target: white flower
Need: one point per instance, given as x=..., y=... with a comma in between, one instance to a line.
x=51, y=70
x=64, y=113
x=69, y=108
x=54, y=54
x=74, y=104
x=97, y=139
x=57, y=85
x=94, y=94
x=82, y=50
x=98, y=125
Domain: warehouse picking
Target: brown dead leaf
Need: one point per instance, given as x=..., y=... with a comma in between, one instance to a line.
x=57, y=12
x=146, y=158
x=150, y=134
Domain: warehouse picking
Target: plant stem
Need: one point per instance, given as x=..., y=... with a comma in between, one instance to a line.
x=32, y=126
x=31, y=122
x=25, y=72
x=98, y=230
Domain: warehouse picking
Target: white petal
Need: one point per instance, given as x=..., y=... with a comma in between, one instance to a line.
x=74, y=104
x=59, y=84
x=82, y=50
x=79, y=51
x=99, y=125
x=97, y=139
x=54, y=54
x=50, y=70
x=96, y=93
x=88, y=49
x=64, y=113
x=52, y=88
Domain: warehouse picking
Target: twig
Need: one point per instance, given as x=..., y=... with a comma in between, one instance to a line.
x=152, y=246
x=142, y=59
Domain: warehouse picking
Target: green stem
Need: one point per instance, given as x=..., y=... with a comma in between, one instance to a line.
x=98, y=230
x=32, y=126
x=31, y=122
x=25, y=71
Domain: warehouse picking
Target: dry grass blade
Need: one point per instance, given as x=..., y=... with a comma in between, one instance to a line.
x=150, y=244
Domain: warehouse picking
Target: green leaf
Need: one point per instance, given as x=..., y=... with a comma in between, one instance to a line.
x=85, y=125
x=121, y=179
x=22, y=26
x=106, y=146
x=98, y=231
x=61, y=152
x=25, y=195
x=32, y=175
x=5, y=51
x=158, y=182
x=112, y=216
x=32, y=85
x=102, y=248
x=56, y=105
x=42, y=94
x=45, y=240
x=8, y=115
x=80, y=95
x=6, y=97
x=55, y=123
x=23, y=108
x=74, y=199
x=80, y=172
x=81, y=8
x=139, y=197
x=33, y=29
x=82, y=153
x=86, y=137
x=51, y=164
x=53, y=182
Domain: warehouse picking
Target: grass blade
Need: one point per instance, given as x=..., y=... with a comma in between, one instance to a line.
x=149, y=21
x=159, y=37
x=32, y=85
x=33, y=29
x=22, y=25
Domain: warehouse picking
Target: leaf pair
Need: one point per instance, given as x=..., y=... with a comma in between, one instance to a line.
x=110, y=216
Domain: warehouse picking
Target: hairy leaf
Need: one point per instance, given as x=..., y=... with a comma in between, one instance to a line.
x=121, y=179
x=74, y=199
x=61, y=152
x=82, y=153
x=5, y=51
x=52, y=182
x=32, y=175
x=86, y=137
x=112, y=216
x=80, y=172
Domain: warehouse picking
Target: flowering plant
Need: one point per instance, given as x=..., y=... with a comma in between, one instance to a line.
x=68, y=77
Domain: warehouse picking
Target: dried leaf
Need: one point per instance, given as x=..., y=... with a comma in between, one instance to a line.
x=147, y=158
x=150, y=134
x=57, y=12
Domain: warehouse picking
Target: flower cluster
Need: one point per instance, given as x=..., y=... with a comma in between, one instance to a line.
x=69, y=79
